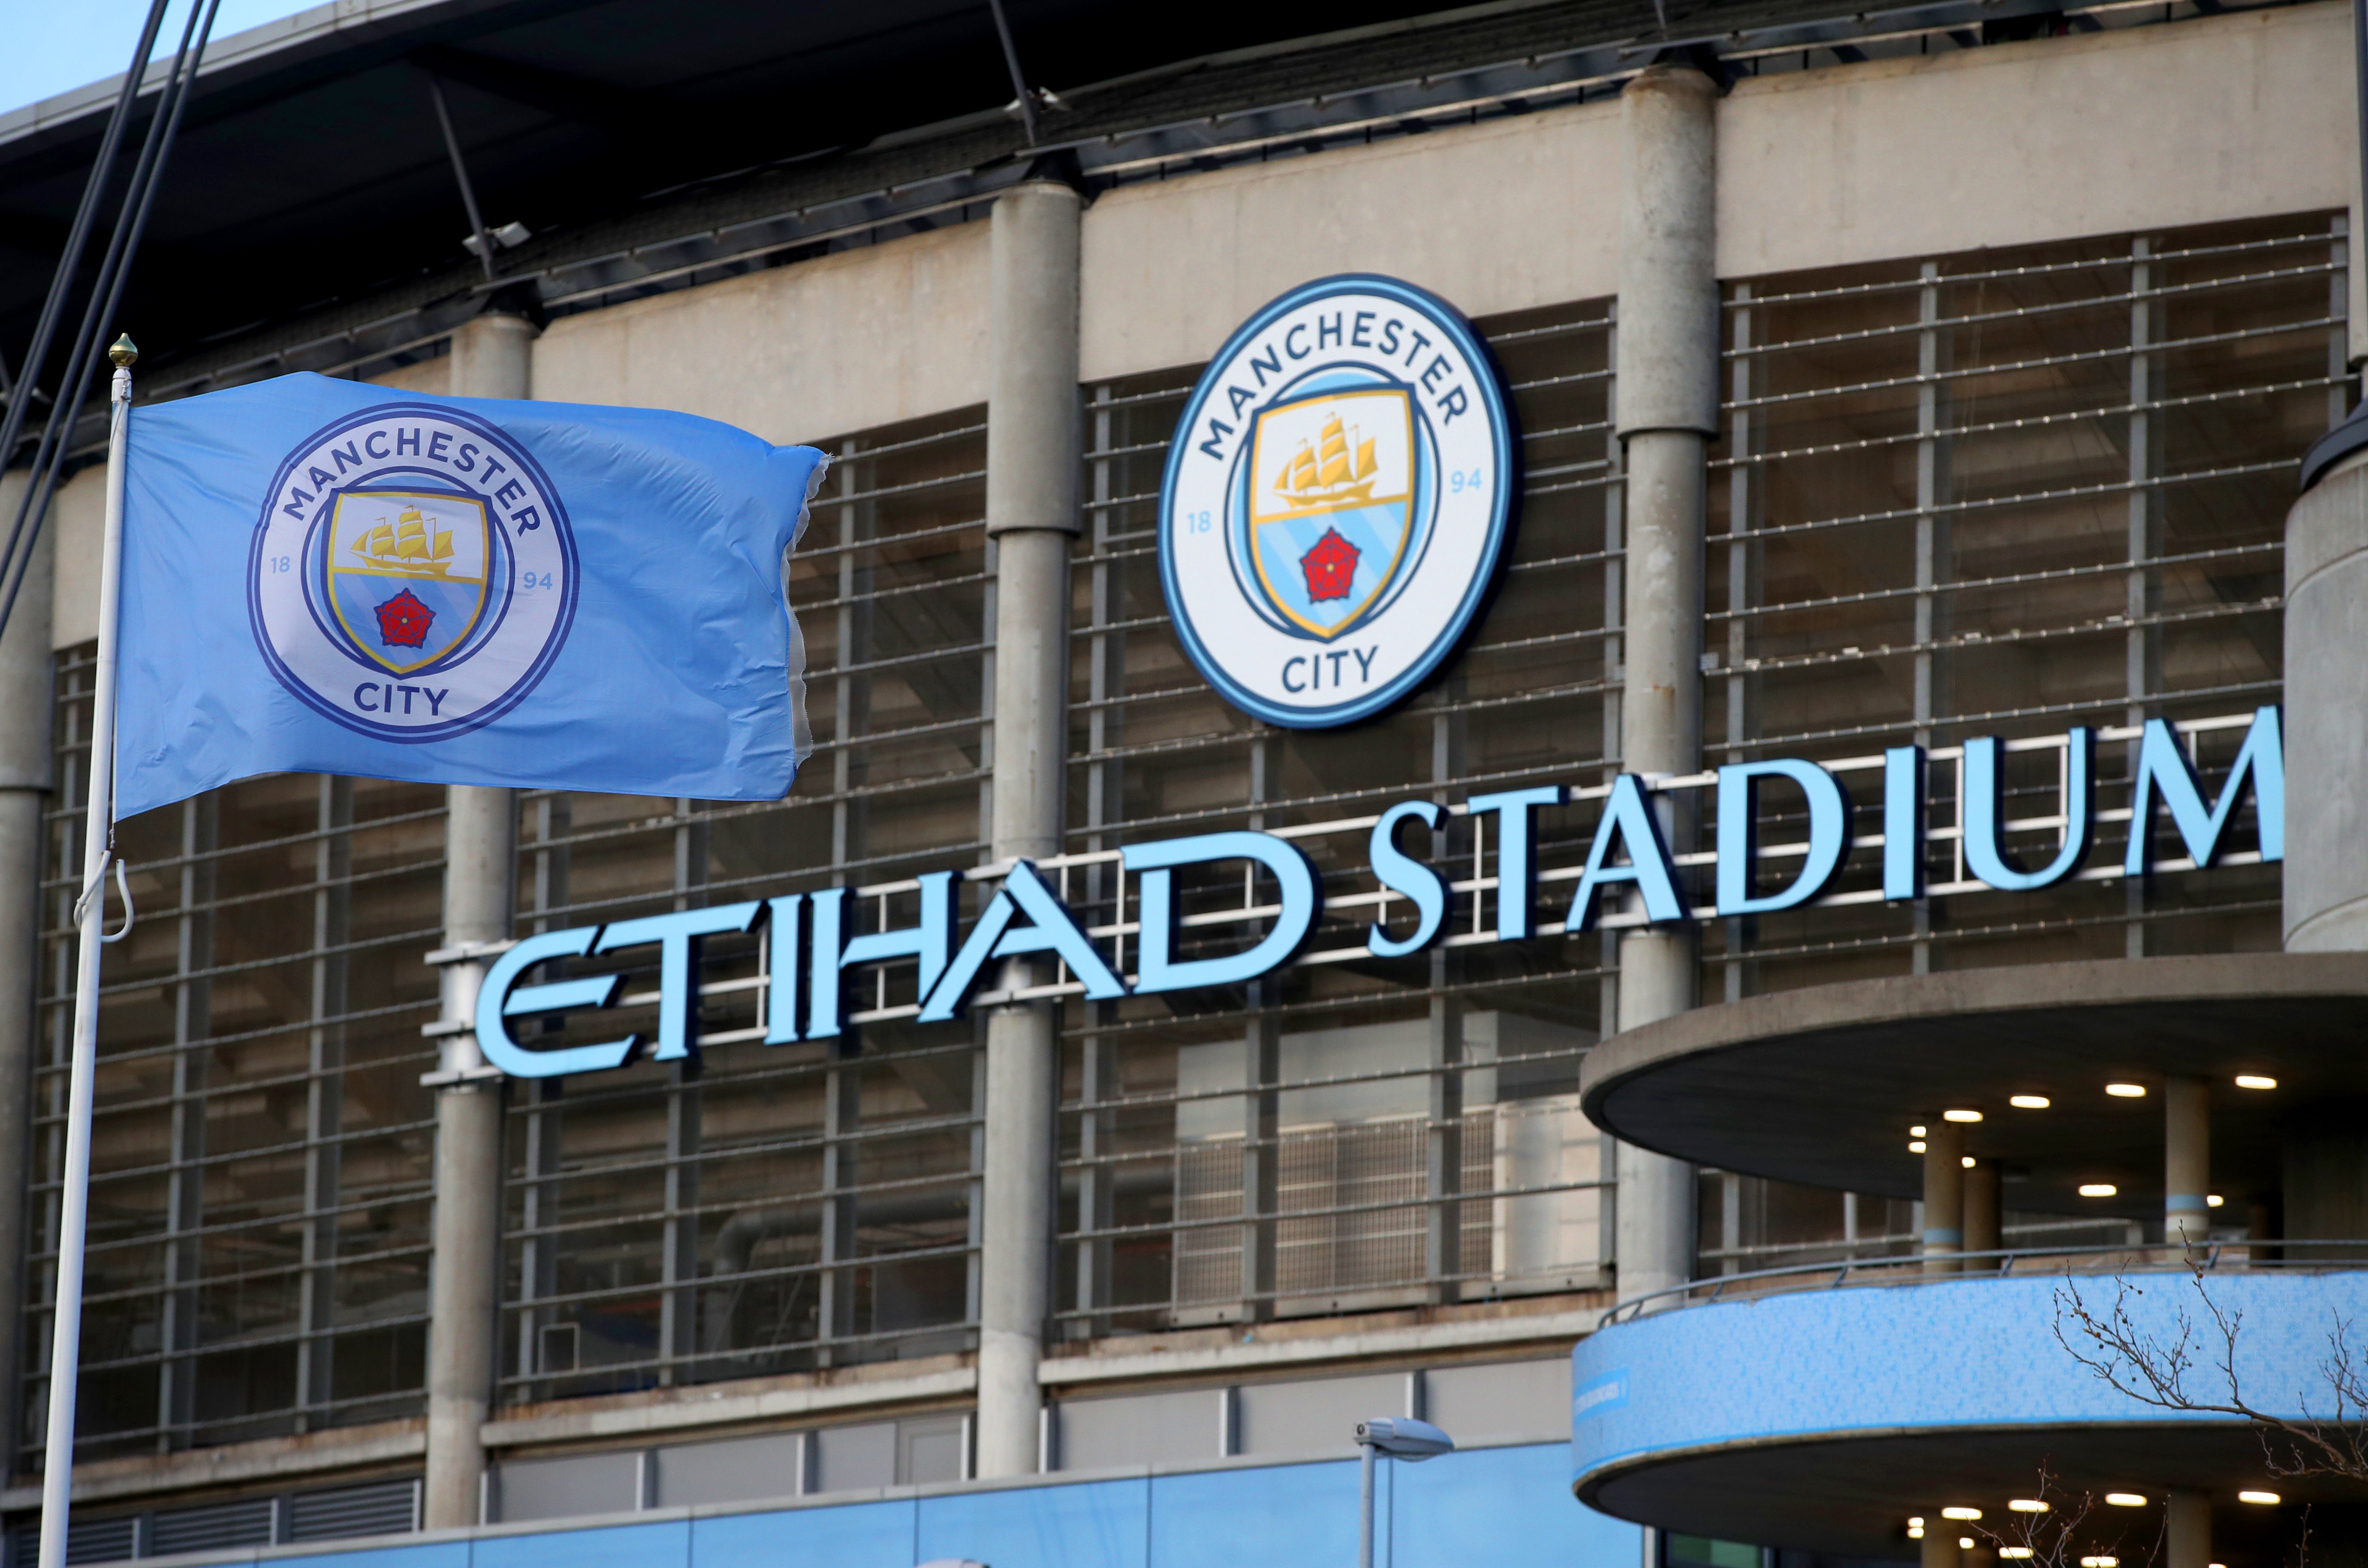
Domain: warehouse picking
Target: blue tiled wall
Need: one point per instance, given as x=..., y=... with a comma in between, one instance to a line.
x=1971, y=1353
x=1507, y=1507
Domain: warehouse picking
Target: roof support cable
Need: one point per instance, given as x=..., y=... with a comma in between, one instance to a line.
x=37, y=352
x=1011, y=62
x=460, y=173
x=86, y=357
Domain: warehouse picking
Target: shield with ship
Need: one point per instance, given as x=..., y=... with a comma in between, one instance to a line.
x=406, y=574
x=1331, y=503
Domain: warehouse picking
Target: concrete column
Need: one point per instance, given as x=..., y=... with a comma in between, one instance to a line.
x=2326, y=869
x=1983, y=1230
x=2186, y=1161
x=1944, y=1197
x=1666, y=395
x=27, y=682
x=1034, y=459
x=492, y=357
x=2190, y=1531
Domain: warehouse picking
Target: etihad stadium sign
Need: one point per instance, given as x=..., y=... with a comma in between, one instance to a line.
x=1628, y=878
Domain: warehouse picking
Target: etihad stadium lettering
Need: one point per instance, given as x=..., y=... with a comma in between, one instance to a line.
x=816, y=947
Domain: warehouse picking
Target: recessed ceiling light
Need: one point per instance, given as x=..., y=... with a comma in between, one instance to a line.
x=2126, y=1091
x=1917, y=1147
x=1917, y=1523
x=1916, y=1132
x=2028, y=1102
x=2125, y=1499
x=1915, y=1533
x=1965, y=1542
x=2100, y=1189
x=2255, y=1081
x=2257, y=1497
x=1967, y=1161
x=1961, y=1116
x=2014, y=1553
x=2100, y=1562
x=2026, y=1504
x=1960, y=1513
x=2216, y=1200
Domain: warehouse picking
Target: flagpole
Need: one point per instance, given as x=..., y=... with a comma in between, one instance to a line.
x=98, y=818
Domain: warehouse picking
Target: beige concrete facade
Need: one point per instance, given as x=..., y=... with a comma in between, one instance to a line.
x=842, y=343
x=2056, y=139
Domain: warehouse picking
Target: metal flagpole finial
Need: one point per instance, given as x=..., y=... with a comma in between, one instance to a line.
x=123, y=351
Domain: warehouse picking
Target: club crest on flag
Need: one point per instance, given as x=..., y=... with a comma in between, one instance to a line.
x=414, y=572
x=405, y=573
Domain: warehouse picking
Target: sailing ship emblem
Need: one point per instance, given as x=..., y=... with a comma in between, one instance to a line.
x=405, y=573
x=1331, y=505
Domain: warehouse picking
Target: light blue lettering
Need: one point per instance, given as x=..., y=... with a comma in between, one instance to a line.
x=1049, y=928
x=501, y=999
x=1738, y=835
x=1158, y=967
x=1903, y=823
x=931, y=942
x=1516, y=869
x=2163, y=768
x=677, y=936
x=1985, y=827
x=1402, y=873
x=781, y=989
x=1628, y=817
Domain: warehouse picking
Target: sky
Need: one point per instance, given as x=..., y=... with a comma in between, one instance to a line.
x=55, y=46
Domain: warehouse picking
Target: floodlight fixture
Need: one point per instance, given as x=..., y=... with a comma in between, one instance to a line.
x=1404, y=1437
x=1400, y=1438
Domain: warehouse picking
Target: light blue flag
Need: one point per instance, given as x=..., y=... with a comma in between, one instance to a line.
x=321, y=577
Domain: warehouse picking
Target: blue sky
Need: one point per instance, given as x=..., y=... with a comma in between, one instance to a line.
x=55, y=46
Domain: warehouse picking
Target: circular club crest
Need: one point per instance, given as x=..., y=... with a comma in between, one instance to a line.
x=413, y=576
x=1337, y=496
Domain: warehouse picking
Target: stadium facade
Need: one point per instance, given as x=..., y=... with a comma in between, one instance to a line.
x=1888, y=793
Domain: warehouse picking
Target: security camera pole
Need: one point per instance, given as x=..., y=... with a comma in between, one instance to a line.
x=1401, y=1437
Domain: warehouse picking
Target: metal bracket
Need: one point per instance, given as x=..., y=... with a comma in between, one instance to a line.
x=462, y=952
x=453, y=1077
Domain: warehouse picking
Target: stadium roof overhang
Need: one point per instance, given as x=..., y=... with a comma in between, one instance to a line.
x=311, y=218
x=1822, y=1084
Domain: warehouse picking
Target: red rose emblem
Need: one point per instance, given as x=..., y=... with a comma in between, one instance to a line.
x=403, y=622
x=1331, y=566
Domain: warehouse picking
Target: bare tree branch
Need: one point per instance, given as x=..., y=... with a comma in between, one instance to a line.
x=2155, y=1368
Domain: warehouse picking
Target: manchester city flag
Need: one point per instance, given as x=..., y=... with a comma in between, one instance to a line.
x=318, y=577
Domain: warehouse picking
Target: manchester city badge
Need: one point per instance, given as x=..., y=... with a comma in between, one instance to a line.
x=1337, y=496
x=414, y=574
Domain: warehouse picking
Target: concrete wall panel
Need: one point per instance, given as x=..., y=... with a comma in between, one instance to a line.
x=2194, y=122
x=802, y=353
x=1492, y=217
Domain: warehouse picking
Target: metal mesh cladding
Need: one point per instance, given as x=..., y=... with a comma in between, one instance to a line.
x=2000, y=493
